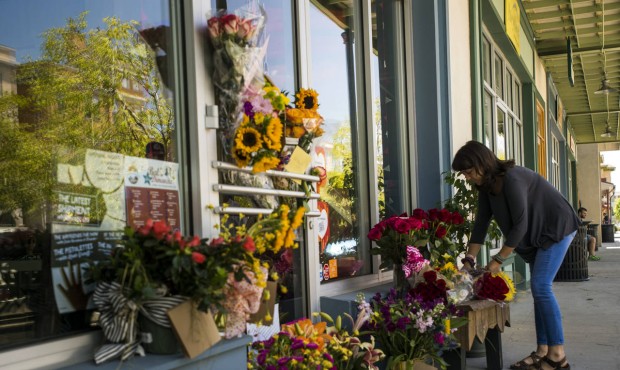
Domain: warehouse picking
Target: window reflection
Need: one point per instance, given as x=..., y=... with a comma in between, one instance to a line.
x=87, y=145
x=332, y=34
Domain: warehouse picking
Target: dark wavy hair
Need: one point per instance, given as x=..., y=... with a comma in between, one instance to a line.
x=475, y=155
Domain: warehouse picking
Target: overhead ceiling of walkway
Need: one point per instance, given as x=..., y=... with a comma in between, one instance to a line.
x=593, y=28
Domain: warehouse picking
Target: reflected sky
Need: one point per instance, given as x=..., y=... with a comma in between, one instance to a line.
x=22, y=22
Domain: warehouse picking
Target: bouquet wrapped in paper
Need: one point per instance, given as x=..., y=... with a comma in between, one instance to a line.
x=239, y=49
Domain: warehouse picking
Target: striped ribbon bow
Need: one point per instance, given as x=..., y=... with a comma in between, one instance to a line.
x=118, y=320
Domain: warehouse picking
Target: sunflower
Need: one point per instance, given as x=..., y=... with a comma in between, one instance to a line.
x=273, y=137
x=266, y=162
x=307, y=98
x=248, y=140
x=241, y=157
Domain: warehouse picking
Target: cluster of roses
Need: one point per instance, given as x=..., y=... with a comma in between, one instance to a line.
x=231, y=27
x=429, y=231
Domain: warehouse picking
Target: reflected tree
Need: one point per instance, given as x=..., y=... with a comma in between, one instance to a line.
x=91, y=88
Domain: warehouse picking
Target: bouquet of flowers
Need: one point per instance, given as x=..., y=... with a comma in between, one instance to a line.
x=304, y=345
x=299, y=345
x=494, y=286
x=304, y=120
x=428, y=231
x=417, y=326
x=258, y=139
x=238, y=53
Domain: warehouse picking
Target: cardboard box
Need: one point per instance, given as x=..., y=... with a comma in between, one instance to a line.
x=196, y=330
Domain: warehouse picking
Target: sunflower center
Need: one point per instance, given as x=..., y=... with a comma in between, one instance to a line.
x=309, y=102
x=249, y=139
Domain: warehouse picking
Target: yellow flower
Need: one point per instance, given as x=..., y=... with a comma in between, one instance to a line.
x=241, y=157
x=307, y=98
x=259, y=118
x=295, y=116
x=299, y=218
x=246, y=120
x=248, y=140
x=265, y=163
x=290, y=238
x=273, y=135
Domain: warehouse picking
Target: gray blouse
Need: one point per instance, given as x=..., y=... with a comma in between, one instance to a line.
x=530, y=212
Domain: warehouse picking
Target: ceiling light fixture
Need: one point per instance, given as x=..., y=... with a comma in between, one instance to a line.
x=607, y=132
x=605, y=88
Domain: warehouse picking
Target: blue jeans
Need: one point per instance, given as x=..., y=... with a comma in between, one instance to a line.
x=546, y=309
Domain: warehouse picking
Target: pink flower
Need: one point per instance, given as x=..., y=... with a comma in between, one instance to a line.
x=199, y=258
x=246, y=29
x=414, y=262
x=146, y=229
x=262, y=105
x=213, y=27
x=230, y=23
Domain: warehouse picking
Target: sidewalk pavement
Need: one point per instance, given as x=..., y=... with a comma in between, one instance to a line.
x=591, y=317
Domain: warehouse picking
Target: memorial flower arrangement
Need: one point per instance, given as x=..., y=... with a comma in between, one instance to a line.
x=494, y=286
x=303, y=121
x=429, y=231
x=258, y=139
x=416, y=326
x=239, y=48
x=302, y=344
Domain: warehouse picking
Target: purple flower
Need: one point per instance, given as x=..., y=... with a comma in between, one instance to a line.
x=262, y=357
x=439, y=338
x=283, y=360
x=328, y=357
x=248, y=109
x=312, y=345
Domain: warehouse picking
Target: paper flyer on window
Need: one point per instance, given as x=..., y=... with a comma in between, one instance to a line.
x=93, y=202
x=151, y=191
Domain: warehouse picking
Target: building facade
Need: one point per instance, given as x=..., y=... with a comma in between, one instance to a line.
x=86, y=88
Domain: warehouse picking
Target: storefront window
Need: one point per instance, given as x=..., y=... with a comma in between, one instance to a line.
x=88, y=144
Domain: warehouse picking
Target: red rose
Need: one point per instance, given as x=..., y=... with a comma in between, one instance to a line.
x=419, y=214
x=194, y=242
x=160, y=228
x=374, y=234
x=199, y=258
x=402, y=226
x=457, y=218
x=441, y=232
x=249, y=245
x=444, y=215
x=433, y=214
x=414, y=223
x=217, y=241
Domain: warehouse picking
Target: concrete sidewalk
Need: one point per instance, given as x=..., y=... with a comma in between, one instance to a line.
x=591, y=317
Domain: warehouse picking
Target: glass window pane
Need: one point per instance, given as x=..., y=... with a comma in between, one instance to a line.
x=509, y=90
x=500, y=136
x=88, y=143
x=332, y=33
x=486, y=60
x=487, y=120
x=498, y=83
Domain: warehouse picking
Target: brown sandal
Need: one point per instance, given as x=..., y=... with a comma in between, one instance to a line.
x=522, y=365
x=557, y=365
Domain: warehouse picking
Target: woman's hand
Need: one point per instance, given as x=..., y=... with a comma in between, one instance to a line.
x=494, y=266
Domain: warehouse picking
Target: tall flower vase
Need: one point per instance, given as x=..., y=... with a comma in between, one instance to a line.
x=400, y=281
